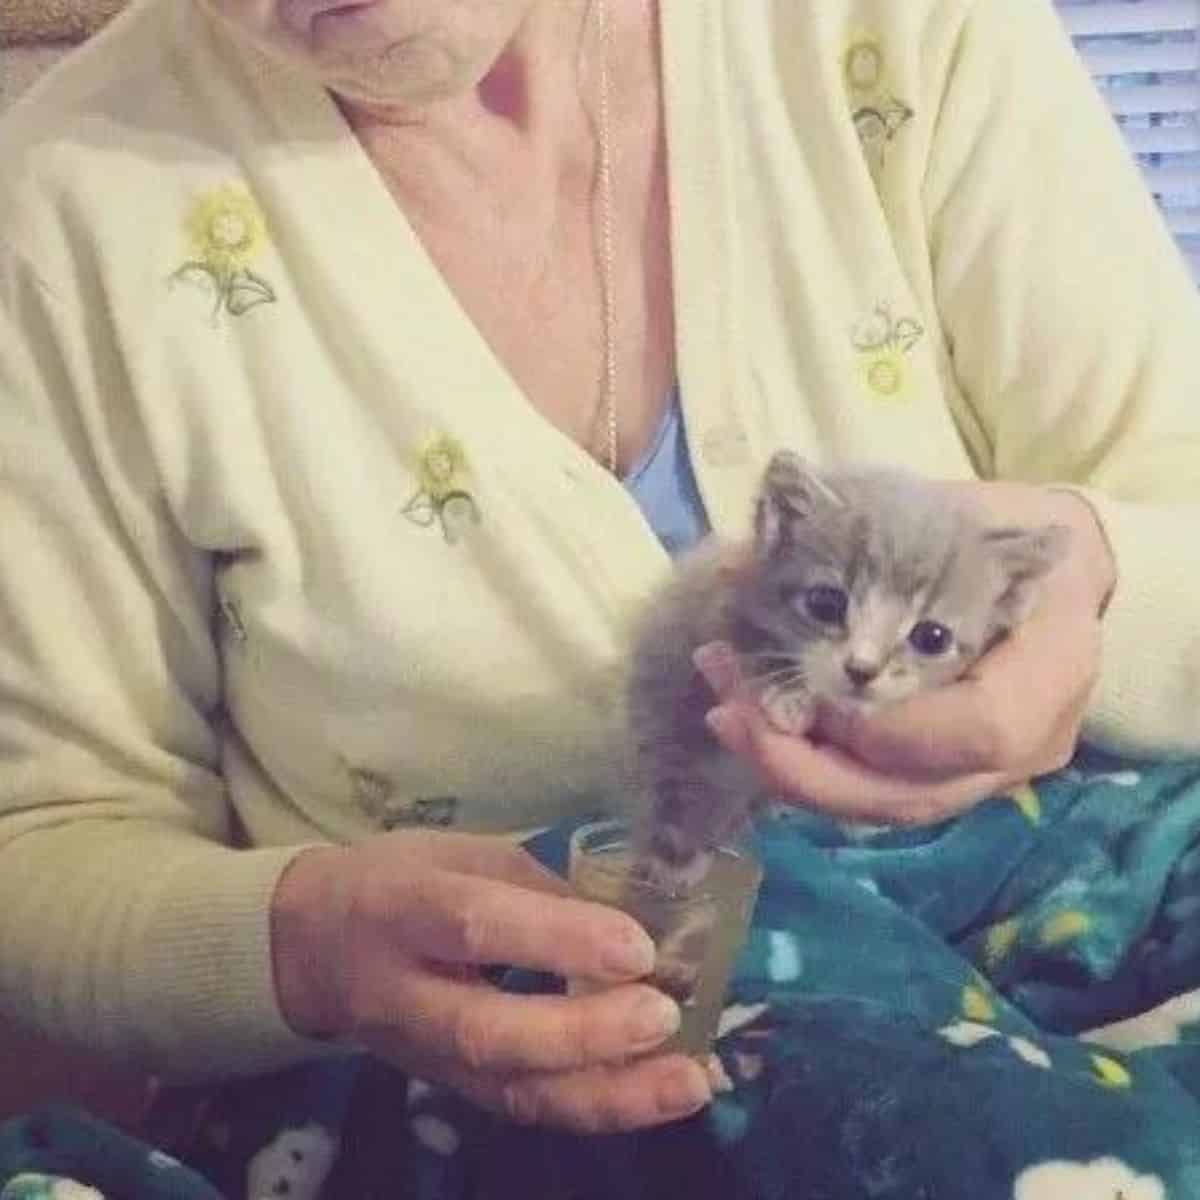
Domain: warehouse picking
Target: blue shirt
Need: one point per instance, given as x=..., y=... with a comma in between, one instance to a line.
x=662, y=483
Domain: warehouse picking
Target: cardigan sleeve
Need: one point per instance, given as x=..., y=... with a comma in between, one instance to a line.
x=1074, y=332
x=128, y=920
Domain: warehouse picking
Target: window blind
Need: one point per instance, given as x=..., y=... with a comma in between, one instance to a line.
x=1145, y=57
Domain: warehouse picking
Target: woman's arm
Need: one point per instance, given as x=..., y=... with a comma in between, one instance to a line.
x=126, y=919
x=1074, y=330
x=1072, y=326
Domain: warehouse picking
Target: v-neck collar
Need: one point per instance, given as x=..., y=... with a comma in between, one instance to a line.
x=423, y=333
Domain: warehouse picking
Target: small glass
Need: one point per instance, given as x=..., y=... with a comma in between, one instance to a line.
x=698, y=933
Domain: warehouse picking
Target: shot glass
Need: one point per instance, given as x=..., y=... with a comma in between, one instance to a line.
x=698, y=934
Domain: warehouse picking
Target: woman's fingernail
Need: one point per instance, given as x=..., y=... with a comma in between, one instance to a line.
x=654, y=1019
x=720, y=721
x=631, y=955
x=683, y=1092
x=715, y=663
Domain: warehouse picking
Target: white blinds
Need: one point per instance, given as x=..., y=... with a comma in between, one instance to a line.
x=1145, y=56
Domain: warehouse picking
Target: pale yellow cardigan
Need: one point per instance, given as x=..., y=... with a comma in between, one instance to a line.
x=286, y=556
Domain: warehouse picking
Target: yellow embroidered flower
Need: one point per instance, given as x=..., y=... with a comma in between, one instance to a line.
x=976, y=1006
x=1109, y=1073
x=1000, y=940
x=862, y=64
x=884, y=344
x=226, y=229
x=886, y=372
x=878, y=114
x=442, y=466
x=1026, y=799
x=443, y=496
x=1064, y=927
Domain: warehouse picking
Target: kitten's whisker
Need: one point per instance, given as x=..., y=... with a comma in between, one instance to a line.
x=773, y=655
x=781, y=678
x=780, y=673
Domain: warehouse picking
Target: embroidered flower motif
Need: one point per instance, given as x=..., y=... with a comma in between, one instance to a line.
x=884, y=344
x=886, y=373
x=1101, y=1179
x=444, y=495
x=232, y=616
x=442, y=462
x=376, y=795
x=226, y=228
x=877, y=125
x=878, y=114
x=862, y=64
x=226, y=231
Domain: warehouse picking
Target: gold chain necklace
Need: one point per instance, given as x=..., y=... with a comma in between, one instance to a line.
x=607, y=258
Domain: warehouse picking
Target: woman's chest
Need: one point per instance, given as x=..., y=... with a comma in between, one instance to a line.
x=410, y=605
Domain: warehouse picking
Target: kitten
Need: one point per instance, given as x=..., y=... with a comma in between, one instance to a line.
x=859, y=587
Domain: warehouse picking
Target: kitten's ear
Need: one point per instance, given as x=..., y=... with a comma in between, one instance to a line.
x=1025, y=556
x=791, y=492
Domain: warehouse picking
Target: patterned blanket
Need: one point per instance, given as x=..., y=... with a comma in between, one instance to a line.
x=1003, y=1007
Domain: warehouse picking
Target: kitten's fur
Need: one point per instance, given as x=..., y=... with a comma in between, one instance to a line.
x=901, y=553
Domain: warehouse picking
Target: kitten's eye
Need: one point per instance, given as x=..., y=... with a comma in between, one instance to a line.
x=928, y=637
x=826, y=604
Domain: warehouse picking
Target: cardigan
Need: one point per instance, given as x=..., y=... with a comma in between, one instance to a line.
x=288, y=558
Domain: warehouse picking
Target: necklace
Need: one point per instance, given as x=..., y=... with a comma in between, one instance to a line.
x=604, y=181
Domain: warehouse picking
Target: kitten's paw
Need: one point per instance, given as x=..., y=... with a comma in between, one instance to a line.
x=789, y=711
x=682, y=950
x=676, y=880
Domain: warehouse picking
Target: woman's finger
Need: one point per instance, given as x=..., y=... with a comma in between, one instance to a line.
x=962, y=728
x=996, y=719
x=482, y=854
x=461, y=918
x=717, y=663
x=483, y=1029
x=602, y=1100
x=829, y=779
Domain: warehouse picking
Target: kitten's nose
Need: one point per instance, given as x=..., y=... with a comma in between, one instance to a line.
x=860, y=672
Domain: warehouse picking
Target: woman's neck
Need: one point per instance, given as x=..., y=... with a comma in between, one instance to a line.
x=531, y=118
x=523, y=89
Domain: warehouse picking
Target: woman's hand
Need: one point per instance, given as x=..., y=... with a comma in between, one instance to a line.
x=382, y=943
x=1015, y=716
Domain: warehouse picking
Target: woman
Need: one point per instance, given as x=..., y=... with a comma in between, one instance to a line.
x=338, y=341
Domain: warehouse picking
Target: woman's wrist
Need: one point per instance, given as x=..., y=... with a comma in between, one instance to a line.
x=306, y=920
x=1089, y=564
x=1091, y=553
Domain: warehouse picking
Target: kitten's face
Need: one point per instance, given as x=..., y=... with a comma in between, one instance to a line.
x=871, y=587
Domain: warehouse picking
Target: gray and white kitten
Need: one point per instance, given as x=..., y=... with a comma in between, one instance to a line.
x=859, y=587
